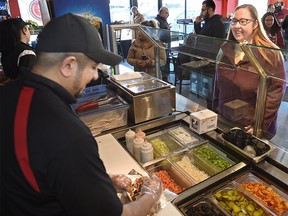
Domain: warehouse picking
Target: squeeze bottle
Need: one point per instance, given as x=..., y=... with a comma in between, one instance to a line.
x=138, y=142
x=141, y=134
x=146, y=152
x=129, y=137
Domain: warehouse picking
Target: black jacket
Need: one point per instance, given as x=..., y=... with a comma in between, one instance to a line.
x=164, y=34
x=62, y=154
x=163, y=24
x=213, y=27
x=22, y=56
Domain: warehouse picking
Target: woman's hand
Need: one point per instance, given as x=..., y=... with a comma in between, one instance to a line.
x=249, y=129
x=143, y=63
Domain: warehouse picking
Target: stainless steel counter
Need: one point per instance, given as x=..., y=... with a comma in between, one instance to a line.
x=278, y=157
x=117, y=159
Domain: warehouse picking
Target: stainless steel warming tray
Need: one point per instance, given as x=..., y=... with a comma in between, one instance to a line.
x=148, y=97
x=145, y=83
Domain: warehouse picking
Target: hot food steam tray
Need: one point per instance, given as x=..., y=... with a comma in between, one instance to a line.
x=252, y=148
x=144, y=84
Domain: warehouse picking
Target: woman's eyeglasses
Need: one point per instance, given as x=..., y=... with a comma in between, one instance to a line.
x=242, y=21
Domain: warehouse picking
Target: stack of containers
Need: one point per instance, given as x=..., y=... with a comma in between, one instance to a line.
x=181, y=158
x=107, y=110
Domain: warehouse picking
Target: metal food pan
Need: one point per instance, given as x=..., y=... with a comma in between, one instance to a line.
x=261, y=191
x=163, y=143
x=201, y=207
x=184, y=135
x=200, y=173
x=215, y=160
x=176, y=175
x=233, y=201
x=146, y=86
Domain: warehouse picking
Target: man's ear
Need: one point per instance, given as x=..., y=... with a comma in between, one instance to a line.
x=68, y=66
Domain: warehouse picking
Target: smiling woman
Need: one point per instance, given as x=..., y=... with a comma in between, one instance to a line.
x=236, y=78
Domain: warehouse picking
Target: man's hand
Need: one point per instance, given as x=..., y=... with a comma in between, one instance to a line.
x=199, y=19
x=121, y=182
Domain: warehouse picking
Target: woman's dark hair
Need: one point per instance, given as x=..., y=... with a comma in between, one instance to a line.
x=275, y=27
x=10, y=34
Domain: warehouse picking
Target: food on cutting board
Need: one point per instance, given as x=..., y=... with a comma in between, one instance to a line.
x=213, y=157
x=267, y=195
x=168, y=182
x=195, y=173
x=237, y=204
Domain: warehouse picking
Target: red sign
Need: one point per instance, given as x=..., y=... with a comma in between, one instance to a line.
x=34, y=9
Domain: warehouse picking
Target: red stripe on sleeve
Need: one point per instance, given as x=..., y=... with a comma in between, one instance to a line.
x=20, y=135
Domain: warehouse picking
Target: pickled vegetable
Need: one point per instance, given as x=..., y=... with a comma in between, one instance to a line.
x=237, y=204
x=267, y=195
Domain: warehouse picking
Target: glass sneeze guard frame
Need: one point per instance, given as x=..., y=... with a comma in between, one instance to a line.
x=207, y=49
x=144, y=30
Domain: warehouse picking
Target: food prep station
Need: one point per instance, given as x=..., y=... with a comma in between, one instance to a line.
x=205, y=173
x=198, y=168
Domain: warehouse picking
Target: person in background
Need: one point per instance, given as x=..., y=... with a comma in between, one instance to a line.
x=162, y=17
x=141, y=53
x=280, y=11
x=137, y=17
x=50, y=164
x=165, y=37
x=16, y=52
x=213, y=26
x=237, y=78
x=271, y=8
x=285, y=27
x=273, y=29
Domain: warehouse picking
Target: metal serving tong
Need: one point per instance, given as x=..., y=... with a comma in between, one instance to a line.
x=96, y=103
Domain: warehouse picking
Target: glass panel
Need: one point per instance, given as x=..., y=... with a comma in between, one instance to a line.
x=120, y=11
x=176, y=11
x=193, y=10
x=148, y=10
x=221, y=73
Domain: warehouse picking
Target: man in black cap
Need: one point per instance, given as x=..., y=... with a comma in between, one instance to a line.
x=50, y=163
x=16, y=52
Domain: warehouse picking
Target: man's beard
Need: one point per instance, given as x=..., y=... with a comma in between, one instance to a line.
x=78, y=94
x=76, y=85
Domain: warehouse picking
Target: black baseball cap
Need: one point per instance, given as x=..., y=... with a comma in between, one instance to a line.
x=72, y=33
